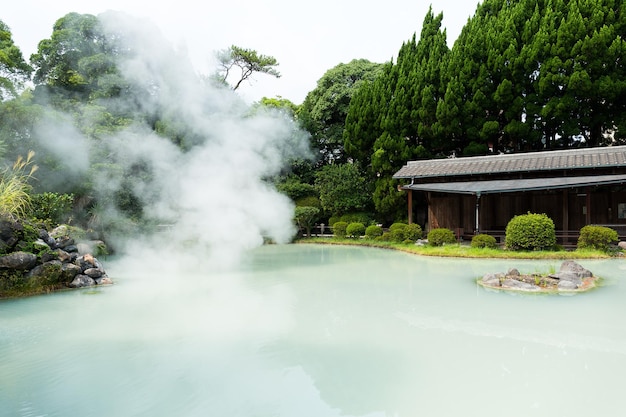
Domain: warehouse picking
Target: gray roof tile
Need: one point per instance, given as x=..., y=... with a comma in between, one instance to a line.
x=606, y=157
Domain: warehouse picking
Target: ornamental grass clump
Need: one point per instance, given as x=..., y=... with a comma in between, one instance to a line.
x=597, y=237
x=530, y=232
x=15, y=189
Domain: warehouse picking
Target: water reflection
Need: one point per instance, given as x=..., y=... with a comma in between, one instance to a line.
x=315, y=331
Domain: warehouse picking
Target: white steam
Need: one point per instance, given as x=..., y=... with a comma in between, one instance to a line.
x=210, y=201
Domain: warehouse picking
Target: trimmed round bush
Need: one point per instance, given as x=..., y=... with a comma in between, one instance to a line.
x=396, y=232
x=484, y=241
x=373, y=231
x=339, y=229
x=597, y=237
x=355, y=230
x=440, y=237
x=530, y=231
x=412, y=232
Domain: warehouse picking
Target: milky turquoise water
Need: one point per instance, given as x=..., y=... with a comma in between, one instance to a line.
x=304, y=330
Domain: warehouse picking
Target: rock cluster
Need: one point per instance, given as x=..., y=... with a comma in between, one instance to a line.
x=62, y=261
x=570, y=277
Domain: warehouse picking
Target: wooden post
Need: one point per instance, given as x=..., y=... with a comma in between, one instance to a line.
x=410, y=199
x=565, y=217
x=588, y=203
x=477, y=229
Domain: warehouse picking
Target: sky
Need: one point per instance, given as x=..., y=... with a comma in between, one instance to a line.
x=307, y=40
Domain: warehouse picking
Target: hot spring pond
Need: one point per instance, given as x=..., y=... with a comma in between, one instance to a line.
x=308, y=330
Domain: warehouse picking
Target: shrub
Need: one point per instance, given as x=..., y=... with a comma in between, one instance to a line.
x=396, y=232
x=484, y=241
x=51, y=208
x=412, y=232
x=305, y=217
x=355, y=229
x=597, y=237
x=359, y=217
x=373, y=231
x=441, y=236
x=530, y=231
x=309, y=202
x=339, y=229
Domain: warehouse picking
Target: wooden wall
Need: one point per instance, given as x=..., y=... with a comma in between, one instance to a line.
x=568, y=209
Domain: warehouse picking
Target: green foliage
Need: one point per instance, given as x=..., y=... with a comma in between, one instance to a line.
x=295, y=189
x=52, y=208
x=248, y=61
x=373, y=231
x=397, y=232
x=474, y=149
x=484, y=241
x=333, y=219
x=15, y=190
x=597, y=237
x=355, y=230
x=440, y=237
x=339, y=229
x=530, y=231
x=305, y=217
x=309, y=202
x=323, y=112
x=14, y=71
x=342, y=188
x=413, y=232
x=402, y=232
x=358, y=217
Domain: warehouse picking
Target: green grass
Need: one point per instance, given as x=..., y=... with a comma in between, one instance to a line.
x=461, y=251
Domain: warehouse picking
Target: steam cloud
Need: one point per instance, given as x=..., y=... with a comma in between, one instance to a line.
x=212, y=199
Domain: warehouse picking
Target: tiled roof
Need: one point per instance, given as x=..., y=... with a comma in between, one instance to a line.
x=606, y=157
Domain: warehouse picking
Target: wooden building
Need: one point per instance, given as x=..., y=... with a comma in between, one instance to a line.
x=481, y=194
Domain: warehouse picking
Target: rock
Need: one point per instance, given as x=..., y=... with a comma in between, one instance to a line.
x=18, y=260
x=93, y=272
x=64, y=241
x=69, y=271
x=9, y=233
x=492, y=280
x=104, y=280
x=513, y=272
x=63, y=256
x=567, y=285
x=573, y=267
x=59, y=231
x=49, y=240
x=622, y=245
x=44, y=270
x=86, y=261
x=519, y=285
x=570, y=277
x=82, y=281
x=573, y=272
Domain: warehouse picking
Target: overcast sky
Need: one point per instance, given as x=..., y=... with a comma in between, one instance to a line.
x=307, y=40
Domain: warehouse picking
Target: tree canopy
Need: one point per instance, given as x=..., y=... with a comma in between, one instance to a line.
x=14, y=71
x=248, y=61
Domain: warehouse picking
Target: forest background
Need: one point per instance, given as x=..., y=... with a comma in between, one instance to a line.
x=522, y=76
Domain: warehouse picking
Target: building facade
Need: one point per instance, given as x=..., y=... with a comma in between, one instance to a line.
x=482, y=194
